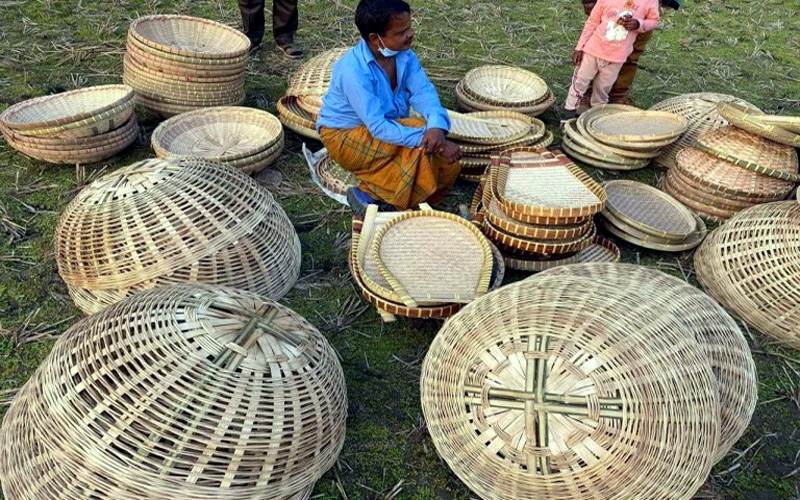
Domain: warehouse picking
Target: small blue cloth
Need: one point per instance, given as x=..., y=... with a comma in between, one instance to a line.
x=360, y=94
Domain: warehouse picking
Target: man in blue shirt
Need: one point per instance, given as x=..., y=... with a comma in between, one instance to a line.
x=364, y=121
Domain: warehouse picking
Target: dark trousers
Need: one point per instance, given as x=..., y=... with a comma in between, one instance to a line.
x=619, y=92
x=284, y=20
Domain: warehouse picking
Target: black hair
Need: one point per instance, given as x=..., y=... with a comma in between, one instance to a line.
x=373, y=16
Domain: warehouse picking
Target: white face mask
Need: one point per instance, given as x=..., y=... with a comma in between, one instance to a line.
x=385, y=51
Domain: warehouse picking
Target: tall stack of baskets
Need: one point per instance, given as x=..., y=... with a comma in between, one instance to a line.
x=180, y=63
x=504, y=88
x=80, y=126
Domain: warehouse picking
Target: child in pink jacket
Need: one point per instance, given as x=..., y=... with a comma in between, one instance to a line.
x=604, y=46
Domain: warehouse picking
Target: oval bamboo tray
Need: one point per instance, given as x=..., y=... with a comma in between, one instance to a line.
x=708, y=197
x=601, y=250
x=649, y=210
x=603, y=157
x=532, y=231
x=156, y=70
x=189, y=36
x=626, y=232
x=572, y=131
x=89, y=154
x=490, y=128
x=102, y=123
x=470, y=104
x=747, y=119
x=522, y=246
x=638, y=127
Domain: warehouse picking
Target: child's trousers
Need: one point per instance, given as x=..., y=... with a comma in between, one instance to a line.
x=601, y=74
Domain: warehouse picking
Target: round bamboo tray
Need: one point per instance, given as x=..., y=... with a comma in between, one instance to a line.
x=699, y=206
x=717, y=334
x=523, y=246
x=524, y=365
x=472, y=162
x=176, y=220
x=490, y=129
x=638, y=127
x=505, y=86
x=595, y=162
x=751, y=266
x=185, y=97
x=158, y=70
x=296, y=119
x=257, y=166
x=193, y=379
x=626, y=232
x=65, y=109
x=531, y=141
x=155, y=82
x=314, y=76
x=700, y=111
x=747, y=119
x=752, y=152
x=601, y=250
x=471, y=104
x=186, y=61
x=176, y=69
x=222, y=134
x=72, y=143
x=500, y=220
x=649, y=210
x=675, y=182
x=603, y=157
x=189, y=36
x=572, y=131
x=78, y=155
x=106, y=121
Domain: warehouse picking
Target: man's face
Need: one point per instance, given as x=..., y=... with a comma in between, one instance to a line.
x=399, y=34
x=587, y=7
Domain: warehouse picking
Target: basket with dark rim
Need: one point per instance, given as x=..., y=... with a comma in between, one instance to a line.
x=751, y=151
x=747, y=119
x=471, y=104
x=500, y=220
x=541, y=188
x=189, y=36
x=523, y=246
x=333, y=176
x=193, y=379
x=701, y=207
x=547, y=381
x=414, y=252
x=296, y=118
x=625, y=231
x=751, y=265
x=649, y=210
x=314, y=76
x=223, y=134
x=601, y=250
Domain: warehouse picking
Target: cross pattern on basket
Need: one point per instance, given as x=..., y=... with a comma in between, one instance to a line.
x=542, y=409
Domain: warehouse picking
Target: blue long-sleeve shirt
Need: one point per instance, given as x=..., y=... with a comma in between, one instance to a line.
x=360, y=94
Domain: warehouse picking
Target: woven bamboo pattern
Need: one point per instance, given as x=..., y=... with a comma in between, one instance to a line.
x=165, y=221
x=334, y=177
x=790, y=123
x=505, y=86
x=572, y=132
x=649, y=210
x=499, y=219
x=594, y=162
x=470, y=103
x=631, y=234
x=752, y=267
x=314, y=76
x=472, y=162
x=700, y=111
x=71, y=143
x=158, y=66
x=638, y=126
x=198, y=392
x=79, y=155
x=295, y=118
x=601, y=250
x=676, y=182
x=751, y=151
x=599, y=157
x=101, y=123
x=434, y=256
x=520, y=245
x=522, y=400
x=489, y=128
x=189, y=36
x=746, y=118
x=366, y=263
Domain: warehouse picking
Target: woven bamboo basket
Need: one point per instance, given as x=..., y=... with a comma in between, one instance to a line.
x=189, y=36
x=200, y=392
x=523, y=401
x=505, y=223
x=631, y=234
x=471, y=104
x=197, y=99
x=649, y=210
x=181, y=90
x=747, y=119
x=678, y=183
x=314, y=76
x=601, y=250
x=71, y=143
x=700, y=111
x=506, y=86
x=162, y=71
x=600, y=159
x=169, y=109
x=638, y=126
x=102, y=123
x=333, y=177
x=572, y=131
x=212, y=64
x=165, y=221
x=536, y=135
x=752, y=267
x=526, y=246
x=489, y=127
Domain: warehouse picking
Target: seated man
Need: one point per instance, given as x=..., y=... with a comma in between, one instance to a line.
x=364, y=119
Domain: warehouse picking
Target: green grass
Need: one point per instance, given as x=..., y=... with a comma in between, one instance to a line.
x=747, y=48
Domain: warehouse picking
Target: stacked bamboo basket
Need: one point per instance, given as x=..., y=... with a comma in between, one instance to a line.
x=80, y=126
x=537, y=206
x=736, y=166
x=421, y=264
x=183, y=392
x=643, y=215
x=481, y=133
x=181, y=63
x=244, y=138
x=504, y=88
x=299, y=109
x=159, y=222
x=751, y=265
x=539, y=390
x=700, y=111
x=620, y=137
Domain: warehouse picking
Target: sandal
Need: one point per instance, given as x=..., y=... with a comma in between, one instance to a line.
x=291, y=50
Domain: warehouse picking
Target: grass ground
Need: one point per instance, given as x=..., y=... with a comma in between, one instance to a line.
x=747, y=48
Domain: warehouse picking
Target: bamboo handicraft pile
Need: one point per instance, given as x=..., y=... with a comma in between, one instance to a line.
x=504, y=88
x=186, y=392
x=539, y=389
x=80, y=126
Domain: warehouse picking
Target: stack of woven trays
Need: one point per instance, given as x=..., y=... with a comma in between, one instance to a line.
x=481, y=133
x=182, y=392
x=299, y=109
x=80, y=126
x=734, y=167
x=181, y=63
x=751, y=265
x=504, y=88
x=244, y=138
x=649, y=218
x=421, y=264
x=620, y=137
x=574, y=383
x=164, y=221
x=537, y=206
x=700, y=111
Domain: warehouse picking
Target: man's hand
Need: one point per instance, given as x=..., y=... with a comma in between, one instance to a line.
x=433, y=140
x=451, y=151
x=630, y=24
x=577, y=57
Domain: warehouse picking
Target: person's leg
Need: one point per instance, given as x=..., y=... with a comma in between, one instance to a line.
x=607, y=73
x=582, y=77
x=253, y=20
x=285, y=20
x=619, y=92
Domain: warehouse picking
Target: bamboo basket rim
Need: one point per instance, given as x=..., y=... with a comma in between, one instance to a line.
x=604, y=157
x=584, y=256
x=156, y=81
x=333, y=182
x=472, y=105
x=188, y=95
x=593, y=162
x=156, y=63
x=45, y=142
x=710, y=198
x=501, y=220
x=520, y=126
x=314, y=76
x=123, y=111
x=254, y=167
x=679, y=126
x=197, y=21
x=788, y=122
x=222, y=64
x=169, y=109
x=701, y=207
x=172, y=73
x=523, y=246
x=747, y=118
x=78, y=156
x=535, y=85
x=681, y=214
x=585, y=140
x=630, y=234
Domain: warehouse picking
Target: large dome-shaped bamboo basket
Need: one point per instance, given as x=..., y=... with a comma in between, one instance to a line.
x=751, y=265
x=564, y=387
x=700, y=110
x=166, y=221
x=701, y=317
x=197, y=392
